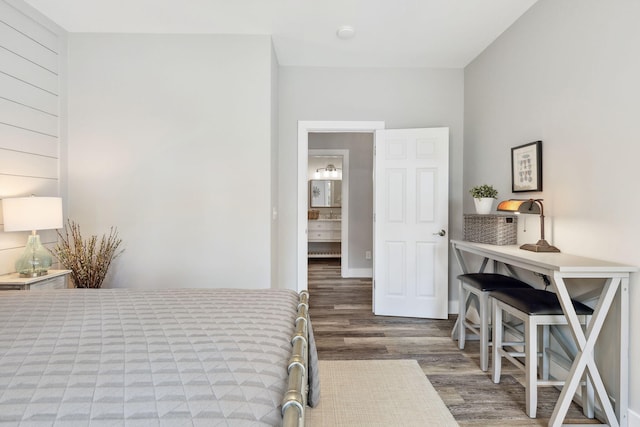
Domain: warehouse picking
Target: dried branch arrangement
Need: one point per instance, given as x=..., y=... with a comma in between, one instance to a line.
x=87, y=260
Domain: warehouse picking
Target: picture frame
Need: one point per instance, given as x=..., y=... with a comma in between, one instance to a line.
x=526, y=167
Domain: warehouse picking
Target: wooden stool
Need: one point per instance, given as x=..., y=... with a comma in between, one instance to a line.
x=480, y=284
x=534, y=307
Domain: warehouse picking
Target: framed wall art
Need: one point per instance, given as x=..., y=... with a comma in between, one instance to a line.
x=526, y=167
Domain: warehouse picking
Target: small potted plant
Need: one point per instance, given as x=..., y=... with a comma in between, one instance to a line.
x=483, y=197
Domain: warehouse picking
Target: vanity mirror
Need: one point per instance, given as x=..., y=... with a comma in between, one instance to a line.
x=325, y=193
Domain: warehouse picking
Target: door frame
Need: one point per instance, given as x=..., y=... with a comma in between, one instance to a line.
x=304, y=128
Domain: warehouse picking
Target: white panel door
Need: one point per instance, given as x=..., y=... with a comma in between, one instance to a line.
x=411, y=221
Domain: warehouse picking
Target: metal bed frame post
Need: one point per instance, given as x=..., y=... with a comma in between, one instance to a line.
x=295, y=399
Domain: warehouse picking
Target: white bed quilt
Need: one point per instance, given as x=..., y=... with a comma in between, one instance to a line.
x=116, y=357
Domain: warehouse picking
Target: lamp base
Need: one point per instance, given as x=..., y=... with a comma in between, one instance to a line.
x=540, y=246
x=37, y=273
x=35, y=260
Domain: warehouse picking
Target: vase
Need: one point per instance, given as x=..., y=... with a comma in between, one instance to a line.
x=483, y=205
x=36, y=260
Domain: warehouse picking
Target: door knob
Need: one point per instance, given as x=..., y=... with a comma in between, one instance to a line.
x=440, y=233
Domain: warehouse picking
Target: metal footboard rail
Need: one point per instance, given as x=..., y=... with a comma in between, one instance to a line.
x=295, y=399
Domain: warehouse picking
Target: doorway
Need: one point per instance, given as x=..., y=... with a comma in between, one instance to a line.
x=304, y=128
x=329, y=165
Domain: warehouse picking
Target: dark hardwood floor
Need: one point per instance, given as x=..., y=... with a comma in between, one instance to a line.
x=345, y=328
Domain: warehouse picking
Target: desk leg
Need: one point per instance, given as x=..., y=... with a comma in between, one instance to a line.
x=455, y=331
x=623, y=393
x=584, y=358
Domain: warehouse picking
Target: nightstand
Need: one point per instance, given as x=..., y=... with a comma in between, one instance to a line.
x=55, y=279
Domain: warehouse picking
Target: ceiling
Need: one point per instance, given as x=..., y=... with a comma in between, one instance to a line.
x=389, y=33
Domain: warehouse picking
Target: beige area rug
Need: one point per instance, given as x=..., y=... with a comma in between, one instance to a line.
x=377, y=393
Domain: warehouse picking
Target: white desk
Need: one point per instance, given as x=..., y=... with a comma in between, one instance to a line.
x=558, y=267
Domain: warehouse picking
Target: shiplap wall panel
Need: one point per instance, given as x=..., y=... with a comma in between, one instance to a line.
x=30, y=119
x=29, y=27
x=20, y=186
x=23, y=164
x=25, y=47
x=16, y=240
x=28, y=94
x=11, y=240
x=21, y=116
x=23, y=69
x=8, y=258
x=27, y=141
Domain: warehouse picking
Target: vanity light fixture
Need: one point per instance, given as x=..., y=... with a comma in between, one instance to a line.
x=329, y=172
x=530, y=206
x=31, y=214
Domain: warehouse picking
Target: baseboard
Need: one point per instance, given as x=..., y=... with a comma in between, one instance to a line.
x=634, y=419
x=360, y=272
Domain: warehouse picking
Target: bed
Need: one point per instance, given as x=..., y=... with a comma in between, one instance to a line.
x=188, y=357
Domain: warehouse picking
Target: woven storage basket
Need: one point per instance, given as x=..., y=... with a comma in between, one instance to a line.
x=313, y=214
x=492, y=229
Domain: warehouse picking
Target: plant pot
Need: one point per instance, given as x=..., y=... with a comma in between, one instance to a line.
x=484, y=205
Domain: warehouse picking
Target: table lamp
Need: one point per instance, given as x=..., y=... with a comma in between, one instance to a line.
x=530, y=206
x=31, y=214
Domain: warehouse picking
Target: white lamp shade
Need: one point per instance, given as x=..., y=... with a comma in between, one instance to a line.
x=32, y=213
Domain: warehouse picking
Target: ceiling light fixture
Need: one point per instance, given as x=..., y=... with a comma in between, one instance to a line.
x=346, y=32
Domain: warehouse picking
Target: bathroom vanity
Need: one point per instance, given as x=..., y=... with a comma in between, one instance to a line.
x=325, y=233
x=324, y=238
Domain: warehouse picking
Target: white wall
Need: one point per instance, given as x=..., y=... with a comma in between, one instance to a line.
x=170, y=141
x=275, y=283
x=402, y=98
x=567, y=73
x=32, y=115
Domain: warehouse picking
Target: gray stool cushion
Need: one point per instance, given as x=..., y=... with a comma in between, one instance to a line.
x=536, y=301
x=491, y=281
